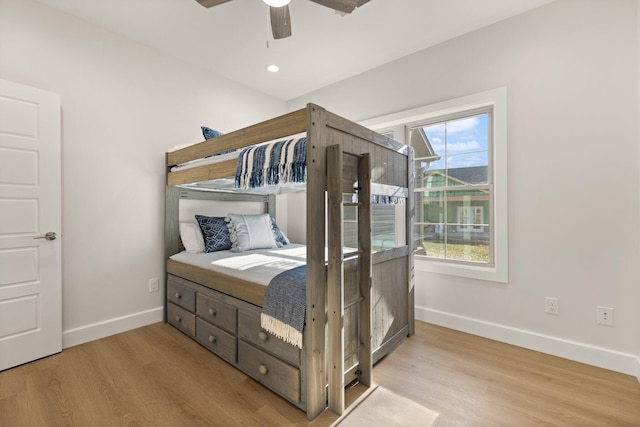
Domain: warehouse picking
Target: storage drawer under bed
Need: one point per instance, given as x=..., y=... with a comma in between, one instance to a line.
x=270, y=371
x=180, y=293
x=249, y=329
x=216, y=340
x=181, y=319
x=217, y=312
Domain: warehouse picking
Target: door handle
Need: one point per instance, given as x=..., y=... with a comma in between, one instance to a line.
x=49, y=236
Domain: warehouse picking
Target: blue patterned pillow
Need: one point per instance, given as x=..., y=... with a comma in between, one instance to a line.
x=215, y=232
x=281, y=239
x=209, y=133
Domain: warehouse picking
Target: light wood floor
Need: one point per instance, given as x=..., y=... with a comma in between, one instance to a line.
x=157, y=376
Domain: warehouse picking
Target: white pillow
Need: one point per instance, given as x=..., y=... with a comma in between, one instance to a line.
x=191, y=236
x=250, y=232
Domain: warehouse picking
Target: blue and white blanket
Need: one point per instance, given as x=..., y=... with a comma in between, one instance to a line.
x=283, y=162
x=272, y=164
x=284, y=305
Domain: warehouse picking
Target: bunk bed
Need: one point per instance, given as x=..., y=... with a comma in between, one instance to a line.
x=358, y=301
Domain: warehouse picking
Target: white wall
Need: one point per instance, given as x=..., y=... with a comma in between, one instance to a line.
x=571, y=72
x=123, y=106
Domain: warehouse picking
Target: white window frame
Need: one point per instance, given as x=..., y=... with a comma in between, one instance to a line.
x=497, y=99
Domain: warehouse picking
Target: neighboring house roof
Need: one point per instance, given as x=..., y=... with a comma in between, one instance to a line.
x=422, y=146
x=469, y=175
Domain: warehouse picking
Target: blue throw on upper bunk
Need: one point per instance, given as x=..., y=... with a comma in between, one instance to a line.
x=272, y=164
x=284, y=162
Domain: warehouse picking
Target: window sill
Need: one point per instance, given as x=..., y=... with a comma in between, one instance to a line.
x=477, y=272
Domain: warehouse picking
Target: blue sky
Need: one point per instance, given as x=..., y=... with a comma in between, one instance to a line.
x=464, y=141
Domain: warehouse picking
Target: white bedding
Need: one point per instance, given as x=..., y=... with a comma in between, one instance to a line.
x=257, y=266
x=228, y=185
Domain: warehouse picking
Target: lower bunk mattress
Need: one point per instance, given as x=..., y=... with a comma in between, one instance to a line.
x=258, y=266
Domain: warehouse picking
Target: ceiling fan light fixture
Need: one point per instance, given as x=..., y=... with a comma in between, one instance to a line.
x=272, y=68
x=277, y=3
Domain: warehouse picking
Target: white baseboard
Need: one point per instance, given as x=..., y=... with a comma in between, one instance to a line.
x=596, y=356
x=109, y=327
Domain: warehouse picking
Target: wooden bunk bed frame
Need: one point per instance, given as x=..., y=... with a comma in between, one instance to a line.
x=379, y=286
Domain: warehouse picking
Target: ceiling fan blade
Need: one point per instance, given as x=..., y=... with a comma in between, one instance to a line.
x=344, y=6
x=280, y=22
x=211, y=3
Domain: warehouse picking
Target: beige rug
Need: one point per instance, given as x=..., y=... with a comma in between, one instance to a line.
x=382, y=407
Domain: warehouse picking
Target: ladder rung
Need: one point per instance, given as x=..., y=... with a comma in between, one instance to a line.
x=354, y=302
x=359, y=156
x=353, y=352
x=352, y=254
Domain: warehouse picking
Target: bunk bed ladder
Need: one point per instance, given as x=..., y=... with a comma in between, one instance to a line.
x=335, y=275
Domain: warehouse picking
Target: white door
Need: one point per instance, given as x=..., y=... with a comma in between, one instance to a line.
x=30, y=197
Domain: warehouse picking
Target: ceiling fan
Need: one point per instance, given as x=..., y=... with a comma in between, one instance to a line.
x=279, y=12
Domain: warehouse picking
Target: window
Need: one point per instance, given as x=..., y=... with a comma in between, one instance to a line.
x=453, y=186
x=460, y=186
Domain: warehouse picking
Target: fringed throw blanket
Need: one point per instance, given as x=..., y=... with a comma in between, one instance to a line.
x=284, y=305
x=272, y=164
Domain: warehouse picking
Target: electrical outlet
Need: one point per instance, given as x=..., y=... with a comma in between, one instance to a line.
x=154, y=285
x=604, y=315
x=552, y=305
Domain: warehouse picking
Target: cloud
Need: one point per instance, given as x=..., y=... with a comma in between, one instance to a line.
x=466, y=161
x=437, y=144
x=464, y=146
x=455, y=147
x=463, y=136
x=463, y=125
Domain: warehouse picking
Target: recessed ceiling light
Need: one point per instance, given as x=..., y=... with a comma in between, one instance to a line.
x=273, y=68
x=277, y=3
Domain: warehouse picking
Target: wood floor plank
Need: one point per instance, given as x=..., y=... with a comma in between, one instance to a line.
x=156, y=376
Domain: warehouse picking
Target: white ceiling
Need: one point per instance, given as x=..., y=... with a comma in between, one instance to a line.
x=234, y=39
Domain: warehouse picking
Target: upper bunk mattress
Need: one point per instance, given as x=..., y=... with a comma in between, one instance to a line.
x=268, y=168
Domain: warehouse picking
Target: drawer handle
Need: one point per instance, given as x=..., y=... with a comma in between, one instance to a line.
x=212, y=312
x=263, y=336
x=212, y=339
x=263, y=370
x=178, y=295
x=178, y=319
